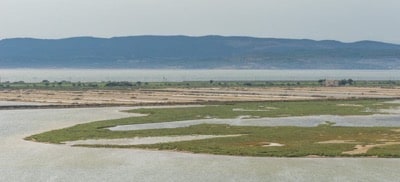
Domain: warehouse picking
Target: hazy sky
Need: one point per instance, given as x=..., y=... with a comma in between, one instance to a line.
x=345, y=20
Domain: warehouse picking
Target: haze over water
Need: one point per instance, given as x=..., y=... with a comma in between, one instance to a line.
x=170, y=75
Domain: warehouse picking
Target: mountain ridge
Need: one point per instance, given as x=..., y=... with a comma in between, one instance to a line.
x=202, y=52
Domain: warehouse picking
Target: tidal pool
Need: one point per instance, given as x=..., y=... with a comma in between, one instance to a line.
x=145, y=140
x=386, y=120
x=22, y=160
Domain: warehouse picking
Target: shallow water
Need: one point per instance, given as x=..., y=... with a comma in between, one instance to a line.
x=37, y=75
x=146, y=140
x=29, y=161
x=389, y=120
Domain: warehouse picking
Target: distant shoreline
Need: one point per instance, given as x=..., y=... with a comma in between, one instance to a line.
x=182, y=75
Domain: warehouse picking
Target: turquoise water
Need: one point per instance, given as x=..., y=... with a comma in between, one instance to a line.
x=37, y=75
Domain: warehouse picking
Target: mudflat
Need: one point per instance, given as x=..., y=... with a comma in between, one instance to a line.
x=193, y=95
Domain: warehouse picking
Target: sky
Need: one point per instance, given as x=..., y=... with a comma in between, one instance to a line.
x=344, y=20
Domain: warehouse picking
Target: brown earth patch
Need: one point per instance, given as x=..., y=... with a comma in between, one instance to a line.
x=337, y=141
x=363, y=149
x=194, y=95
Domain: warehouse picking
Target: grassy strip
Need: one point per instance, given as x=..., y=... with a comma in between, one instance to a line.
x=298, y=141
x=386, y=151
x=66, y=85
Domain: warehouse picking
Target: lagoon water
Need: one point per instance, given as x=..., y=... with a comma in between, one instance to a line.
x=22, y=160
x=91, y=75
x=377, y=120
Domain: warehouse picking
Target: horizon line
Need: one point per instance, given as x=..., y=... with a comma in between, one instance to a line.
x=197, y=36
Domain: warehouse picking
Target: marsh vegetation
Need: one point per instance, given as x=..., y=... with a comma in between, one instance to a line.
x=112, y=85
x=250, y=140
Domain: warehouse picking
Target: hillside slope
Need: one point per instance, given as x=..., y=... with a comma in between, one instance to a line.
x=207, y=52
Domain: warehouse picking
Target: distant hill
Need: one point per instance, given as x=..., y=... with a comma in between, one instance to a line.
x=207, y=52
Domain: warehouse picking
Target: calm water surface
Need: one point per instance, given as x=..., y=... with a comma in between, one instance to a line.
x=29, y=161
x=378, y=120
x=37, y=75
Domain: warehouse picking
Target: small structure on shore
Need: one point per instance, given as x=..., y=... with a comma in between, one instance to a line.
x=332, y=83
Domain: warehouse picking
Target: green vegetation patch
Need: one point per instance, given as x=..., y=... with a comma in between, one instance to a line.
x=118, y=85
x=386, y=151
x=296, y=141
